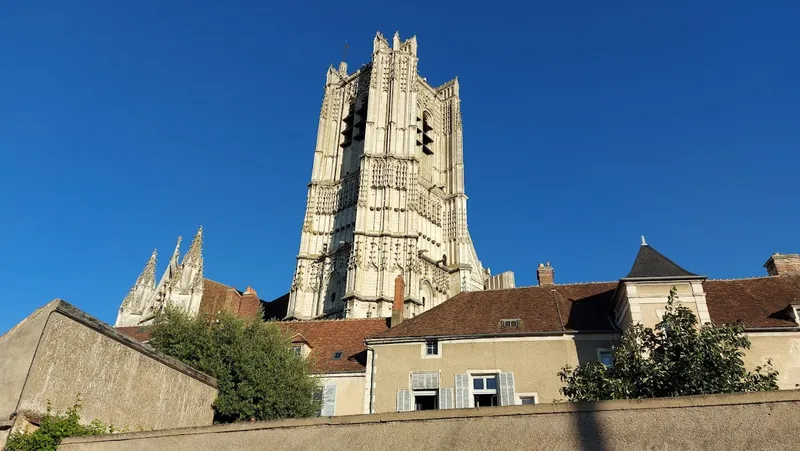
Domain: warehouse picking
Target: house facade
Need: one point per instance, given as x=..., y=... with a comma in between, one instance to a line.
x=505, y=347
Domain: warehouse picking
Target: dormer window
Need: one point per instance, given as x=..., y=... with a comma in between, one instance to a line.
x=297, y=350
x=510, y=323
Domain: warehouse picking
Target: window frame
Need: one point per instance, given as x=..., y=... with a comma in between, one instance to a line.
x=334, y=357
x=531, y=395
x=424, y=349
x=609, y=351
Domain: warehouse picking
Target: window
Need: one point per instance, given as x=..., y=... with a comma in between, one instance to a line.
x=484, y=390
x=337, y=355
x=605, y=356
x=297, y=350
x=510, y=323
x=432, y=347
x=528, y=398
x=426, y=399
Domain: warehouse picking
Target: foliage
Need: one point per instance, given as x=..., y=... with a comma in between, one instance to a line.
x=54, y=428
x=259, y=376
x=675, y=359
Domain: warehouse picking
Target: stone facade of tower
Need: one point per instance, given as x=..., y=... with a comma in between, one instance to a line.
x=181, y=285
x=386, y=195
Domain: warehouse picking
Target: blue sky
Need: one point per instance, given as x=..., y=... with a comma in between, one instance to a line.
x=586, y=124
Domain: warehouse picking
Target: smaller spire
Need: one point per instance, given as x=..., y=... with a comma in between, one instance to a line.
x=644, y=243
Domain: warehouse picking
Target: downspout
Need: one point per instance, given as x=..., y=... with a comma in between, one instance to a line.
x=371, y=376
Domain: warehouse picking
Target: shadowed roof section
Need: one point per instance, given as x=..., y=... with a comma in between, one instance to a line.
x=326, y=337
x=558, y=308
x=651, y=264
x=758, y=302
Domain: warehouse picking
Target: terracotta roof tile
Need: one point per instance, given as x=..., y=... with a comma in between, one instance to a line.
x=138, y=333
x=326, y=337
x=578, y=307
x=758, y=302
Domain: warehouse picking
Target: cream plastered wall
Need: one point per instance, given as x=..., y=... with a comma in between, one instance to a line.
x=117, y=384
x=784, y=350
x=644, y=302
x=535, y=362
x=349, y=392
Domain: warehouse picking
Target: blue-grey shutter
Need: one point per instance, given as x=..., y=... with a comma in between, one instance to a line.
x=403, y=400
x=328, y=400
x=445, y=398
x=506, y=389
x=462, y=391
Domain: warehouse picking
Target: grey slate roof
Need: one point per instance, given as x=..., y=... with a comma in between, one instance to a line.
x=650, y=264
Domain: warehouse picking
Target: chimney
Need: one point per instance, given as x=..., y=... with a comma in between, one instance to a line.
x=399, y=301
x=545, y=275
x=249, y=304
x=783, y=265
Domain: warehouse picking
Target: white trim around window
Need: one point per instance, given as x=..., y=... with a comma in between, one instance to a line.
x=531, y=395
x=424, y=349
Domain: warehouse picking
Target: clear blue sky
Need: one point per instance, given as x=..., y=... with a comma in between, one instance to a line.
x=586, y=124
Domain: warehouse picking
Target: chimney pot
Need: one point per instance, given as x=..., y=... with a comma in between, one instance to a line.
x=545, y=275
x=398, y=306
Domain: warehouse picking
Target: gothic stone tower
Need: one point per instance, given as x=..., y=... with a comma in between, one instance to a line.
x=386, y=195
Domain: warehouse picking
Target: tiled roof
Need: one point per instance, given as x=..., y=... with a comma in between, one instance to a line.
x=650, y=263
x=578, y=307
x=758, y=302
x=326, y=337
x=138, y=333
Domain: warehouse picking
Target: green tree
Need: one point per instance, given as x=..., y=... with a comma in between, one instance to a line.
x=53, y=428
x=259, y=376
x=674, y=359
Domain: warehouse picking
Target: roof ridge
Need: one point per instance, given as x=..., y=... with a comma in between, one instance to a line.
x=549, y=286
x=219, y=283
x=306, y=321
x=748, y=278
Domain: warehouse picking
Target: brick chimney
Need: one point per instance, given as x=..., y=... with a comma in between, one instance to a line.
x=545, y=275
x=399, y=301
x=783, y=265
x=249, y=303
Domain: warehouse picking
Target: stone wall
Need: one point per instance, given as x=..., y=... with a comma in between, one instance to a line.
x=716, y=422
x=59, y=353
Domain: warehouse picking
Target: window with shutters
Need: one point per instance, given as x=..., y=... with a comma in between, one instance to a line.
x=484, y=390
x=426, y=399
x=328, y=400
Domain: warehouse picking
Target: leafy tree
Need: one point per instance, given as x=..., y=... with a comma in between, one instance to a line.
x=54, y=428
x=259, y=376
x=675, y=359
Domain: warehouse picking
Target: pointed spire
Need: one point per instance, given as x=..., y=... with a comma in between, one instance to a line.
x=147, y=279
x=644, y=243
x=173, y=261
x=195, y=253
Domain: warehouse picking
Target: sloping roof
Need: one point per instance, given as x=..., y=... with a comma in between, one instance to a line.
x=758, y=302
x=138, y=333
x=326, y=337
x=578, y=307
x=650, y=263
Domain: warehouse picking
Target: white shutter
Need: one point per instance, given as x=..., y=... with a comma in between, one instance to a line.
x=445, y=398
x=506, y=389
x=462, y=391
x=329, y=400
x=403, y=400
x=425, y=381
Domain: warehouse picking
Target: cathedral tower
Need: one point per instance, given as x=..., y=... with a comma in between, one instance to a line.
x=386, y=195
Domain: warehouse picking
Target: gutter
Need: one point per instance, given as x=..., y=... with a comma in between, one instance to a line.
x=772, y=329
x=382, y=340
